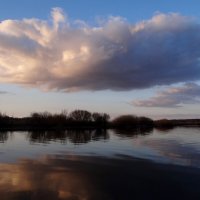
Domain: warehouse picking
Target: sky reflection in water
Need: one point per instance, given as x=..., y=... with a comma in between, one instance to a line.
x=176, y=146
x=111, y=164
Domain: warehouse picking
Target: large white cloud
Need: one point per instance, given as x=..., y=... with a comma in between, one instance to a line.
x=116, y=55
x=189, y=93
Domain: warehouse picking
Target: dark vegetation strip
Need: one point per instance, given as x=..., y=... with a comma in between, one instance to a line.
x=82, y=119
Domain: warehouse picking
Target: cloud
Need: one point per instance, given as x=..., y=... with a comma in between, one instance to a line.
x=4, y=92
x=189, y=93
x=116, y=55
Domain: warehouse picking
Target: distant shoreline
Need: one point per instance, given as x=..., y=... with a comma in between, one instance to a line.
x=82, y=119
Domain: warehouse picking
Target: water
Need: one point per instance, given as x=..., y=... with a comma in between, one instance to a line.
x=112, y=164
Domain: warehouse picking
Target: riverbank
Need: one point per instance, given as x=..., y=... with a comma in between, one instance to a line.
x=81, y=119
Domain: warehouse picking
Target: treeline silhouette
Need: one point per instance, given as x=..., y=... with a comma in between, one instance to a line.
x=83, y=119
x=171, y=123
x=46, y=120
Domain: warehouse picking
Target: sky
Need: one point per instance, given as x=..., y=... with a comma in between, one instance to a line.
x=136, y=57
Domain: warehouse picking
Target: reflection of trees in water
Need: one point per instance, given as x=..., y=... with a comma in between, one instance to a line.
x=132, y=133
x=74, y=136
x=164, y=129
x=47, y=136
x=84, y=136
x=4, y=136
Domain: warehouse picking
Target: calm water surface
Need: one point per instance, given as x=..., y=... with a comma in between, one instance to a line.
x=113, y=164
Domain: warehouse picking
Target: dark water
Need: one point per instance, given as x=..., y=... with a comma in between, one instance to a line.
x=113, y=164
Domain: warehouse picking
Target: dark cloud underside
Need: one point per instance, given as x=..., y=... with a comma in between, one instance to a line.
x=117, y=55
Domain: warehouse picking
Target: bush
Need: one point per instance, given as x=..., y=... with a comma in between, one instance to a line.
x=131, y=121
x=125, y=121
x=145, y=122
x=163, y=123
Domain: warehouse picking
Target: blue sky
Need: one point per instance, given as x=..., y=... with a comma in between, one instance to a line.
x=133, y=10
x=115, y=93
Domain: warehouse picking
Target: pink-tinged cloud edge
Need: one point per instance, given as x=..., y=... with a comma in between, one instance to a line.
x=61, y=55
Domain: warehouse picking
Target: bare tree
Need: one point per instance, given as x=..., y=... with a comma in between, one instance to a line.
x=100, y=117
x=81, y=115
